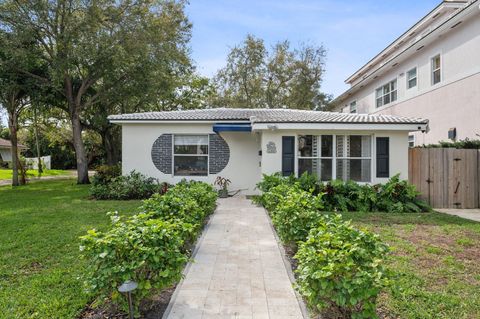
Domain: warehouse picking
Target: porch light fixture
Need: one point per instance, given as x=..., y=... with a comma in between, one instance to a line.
x=127, y=287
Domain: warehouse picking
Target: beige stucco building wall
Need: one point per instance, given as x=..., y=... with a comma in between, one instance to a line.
x=452, y=103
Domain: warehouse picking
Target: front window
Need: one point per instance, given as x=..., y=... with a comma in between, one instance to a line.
x=190, y=155
x=353, y=107
x=436, y=70
x=412, y=78
x=386, y=93
x=345, y=157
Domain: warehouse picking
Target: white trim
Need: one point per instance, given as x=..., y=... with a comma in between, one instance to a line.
x=407, y=80
x=431, y=70
x=410, y=127
x=191, y=155
x=388, y=82
x=175, y=122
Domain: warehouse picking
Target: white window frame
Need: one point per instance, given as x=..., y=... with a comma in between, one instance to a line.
x=334, y=156
x=352, y=106
x=440, y=69
x=407, y=80
x=412, y=140
x=196, y=155
x=385, y=94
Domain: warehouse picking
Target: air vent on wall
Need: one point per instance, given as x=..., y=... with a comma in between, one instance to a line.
x=453, y=26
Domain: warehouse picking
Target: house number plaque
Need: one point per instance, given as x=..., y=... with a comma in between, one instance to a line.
x=271, y=148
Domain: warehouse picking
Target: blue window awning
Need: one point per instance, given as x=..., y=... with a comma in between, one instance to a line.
x=232, y=127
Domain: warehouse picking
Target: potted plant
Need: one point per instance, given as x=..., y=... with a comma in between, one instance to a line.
x=223, y=183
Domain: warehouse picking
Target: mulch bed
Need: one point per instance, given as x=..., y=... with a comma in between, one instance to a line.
x=152, y=308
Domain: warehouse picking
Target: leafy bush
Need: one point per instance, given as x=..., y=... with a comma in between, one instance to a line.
x=189, y=201
x=341, y=268
x=461, y=144
x=339, y=196
x=132, y=186
x=152, y=247
x=105, y=173
x=148, y=251
x=297, y=212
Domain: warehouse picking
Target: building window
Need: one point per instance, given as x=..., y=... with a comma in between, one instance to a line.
x=411, y=140
x=353, y=107
x=315, y=156
x=345, y=157
x=386, y=93
x=190, y=155
x=412, y=78
x=436, y=70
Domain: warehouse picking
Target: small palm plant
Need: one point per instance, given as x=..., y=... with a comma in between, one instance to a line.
x=223, y=183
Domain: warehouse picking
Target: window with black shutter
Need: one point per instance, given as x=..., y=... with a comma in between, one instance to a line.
x=288, y=155
x=383, y=154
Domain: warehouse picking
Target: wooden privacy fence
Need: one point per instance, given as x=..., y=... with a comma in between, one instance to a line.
x=446, y=177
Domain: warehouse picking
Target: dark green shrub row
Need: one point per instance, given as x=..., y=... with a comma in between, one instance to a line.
x=106, y=185
x=395, y=196
x=151, y=247
x=340, y=268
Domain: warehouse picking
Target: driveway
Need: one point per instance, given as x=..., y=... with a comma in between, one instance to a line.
x=239, y=270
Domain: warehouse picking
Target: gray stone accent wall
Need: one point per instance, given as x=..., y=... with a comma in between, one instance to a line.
x=219, y=154
x=162, y=153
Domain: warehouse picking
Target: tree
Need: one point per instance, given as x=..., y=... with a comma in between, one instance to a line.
x=255, y=77
x=96, y=49
x=16, y=87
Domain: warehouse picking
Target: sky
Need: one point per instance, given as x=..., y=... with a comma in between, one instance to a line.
x=352, y=31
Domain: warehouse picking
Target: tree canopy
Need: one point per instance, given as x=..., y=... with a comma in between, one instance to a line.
x=279, y=77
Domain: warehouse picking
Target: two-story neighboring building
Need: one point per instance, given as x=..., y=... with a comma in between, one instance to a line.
x=431, y=71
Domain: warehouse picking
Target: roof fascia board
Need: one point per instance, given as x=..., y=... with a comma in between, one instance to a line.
x=175, y=121
x=410, y=127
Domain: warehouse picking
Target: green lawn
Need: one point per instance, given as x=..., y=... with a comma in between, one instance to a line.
x=7, y=173
x=40, y=268
x=437, y=257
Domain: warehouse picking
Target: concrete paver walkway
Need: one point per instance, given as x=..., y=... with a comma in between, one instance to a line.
x=472, y=214
x=238, y=270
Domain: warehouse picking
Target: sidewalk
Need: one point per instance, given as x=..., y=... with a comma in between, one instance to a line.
x=472, y=214
x=238, y=270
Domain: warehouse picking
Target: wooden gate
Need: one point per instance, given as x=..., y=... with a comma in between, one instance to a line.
x=446, y=177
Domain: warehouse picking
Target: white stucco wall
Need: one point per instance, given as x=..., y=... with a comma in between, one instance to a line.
x=243, y=168
x=272, y=162
x=454, y=102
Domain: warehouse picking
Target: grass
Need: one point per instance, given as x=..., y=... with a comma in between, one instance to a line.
x=7, y=173
x=40, y=269
x=436, y=261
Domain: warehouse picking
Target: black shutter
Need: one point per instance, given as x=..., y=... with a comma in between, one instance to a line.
x=288, y=155
x=383, y=157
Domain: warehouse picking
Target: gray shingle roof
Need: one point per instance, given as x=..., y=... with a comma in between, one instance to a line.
x=266, y=116
x=7, y=144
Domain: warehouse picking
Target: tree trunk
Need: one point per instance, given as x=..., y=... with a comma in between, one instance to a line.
x=109, y=144
x=39, y=158
x=80, y=153
x=74, y=108
x=13, y=126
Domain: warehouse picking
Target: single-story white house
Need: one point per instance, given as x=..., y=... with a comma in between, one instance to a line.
x=6, y=151
x=243, y=144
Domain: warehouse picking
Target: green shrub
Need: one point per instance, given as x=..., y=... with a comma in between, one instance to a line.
x=105, y=173
x=397, y=196
x=297, y=212
x=340, y=268
x=132, y=186
x=148, y=251
x=270, y=181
